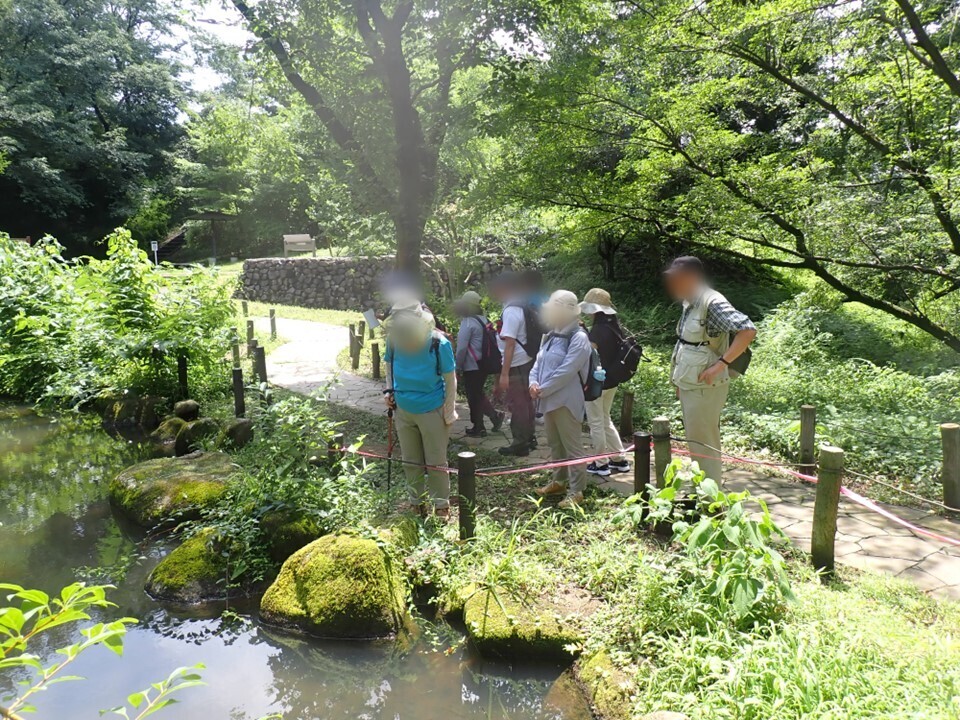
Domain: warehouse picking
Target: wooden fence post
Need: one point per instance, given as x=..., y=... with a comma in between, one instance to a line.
x=373, y=334
x=662, y=452
x=808, y=438
x=950, y=438
x=246, y=309
x=626, y=414
x=260, y=359
x=250, y=337
x=361, y=332
x=239, y=402
x=467, y=486
x=273, y=324
x=355, y=345
x=375, y=352
x=235, y=347
x=641, y=462
x=825, y=509
x=183, y=387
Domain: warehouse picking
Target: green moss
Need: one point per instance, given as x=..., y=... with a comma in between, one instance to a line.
x=338, y=586
x=194, y=572
x=288, y=531
x=607, y=686
x=166, y=490
x=168, y=430
x=501, y=627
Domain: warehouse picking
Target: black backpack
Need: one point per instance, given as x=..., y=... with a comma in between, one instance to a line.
x=629, y=355
x=490, y=361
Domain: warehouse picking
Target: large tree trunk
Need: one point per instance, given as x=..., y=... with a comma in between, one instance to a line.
x=409, y=227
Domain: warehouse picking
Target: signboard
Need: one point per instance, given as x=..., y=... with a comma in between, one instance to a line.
x=371, y=317
x=154, y=246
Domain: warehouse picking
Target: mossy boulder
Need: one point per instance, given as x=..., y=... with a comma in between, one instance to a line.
x=607, y=686
x=339, y=586
x=188, y=410
x=237, y=434
x=194, y=572
x=288, y=531
x=502, y=627
x=167, y=490
x=194, y=433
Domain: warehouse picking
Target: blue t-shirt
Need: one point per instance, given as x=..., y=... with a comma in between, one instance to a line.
x=416, y=385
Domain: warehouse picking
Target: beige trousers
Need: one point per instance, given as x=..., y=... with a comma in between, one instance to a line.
x=603, y=433
x=423, y=441
x=701, y=423
x=565, y=437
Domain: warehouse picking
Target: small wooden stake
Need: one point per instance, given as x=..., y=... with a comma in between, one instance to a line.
x=825, y=510
x=355, y=352
x=260, y=361
x=375, y=352
x=246, y=310
x=239, y=402
x=467, y=486
x=182, y=376
x=808, y=437
x=950, y=438
x=235, y=347
x=361, y=332
x=250, y=337
x=662, y=452
x=273, y=324
x=626, y=414
x=641, y=462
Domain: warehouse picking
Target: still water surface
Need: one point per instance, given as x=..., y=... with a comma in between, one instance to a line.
x=56, y=527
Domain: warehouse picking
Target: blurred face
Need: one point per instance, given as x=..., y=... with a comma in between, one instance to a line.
x=409, y=333
x=460, y=309
x=683, y=284
x=559, y=312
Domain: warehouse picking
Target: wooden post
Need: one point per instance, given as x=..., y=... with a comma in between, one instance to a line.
x=239, y=402
x=375, y=352
x=950, y=437
x=182, y=376
x=467, y=485
x=808, y=438
x=260, y=360
x=335, y=449
x=825, y=509
x=373, y=334
x=361, y=332
x=273, y=324
x=235, y=347
x=626, y=414
x=355, y=345
x=246, y=309
x=250, y=337
x=662, y=452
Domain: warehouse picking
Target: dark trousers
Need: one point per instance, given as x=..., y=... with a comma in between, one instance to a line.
x=520, y=404
x=480, y=405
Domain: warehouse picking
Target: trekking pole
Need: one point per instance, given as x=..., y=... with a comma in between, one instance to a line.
x=390, y=443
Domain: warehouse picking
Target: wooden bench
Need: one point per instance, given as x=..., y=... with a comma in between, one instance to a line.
x=299, y=243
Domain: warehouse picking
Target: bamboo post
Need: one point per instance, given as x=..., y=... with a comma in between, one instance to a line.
x=662, y=452
x=182, y=376
x=808, y=438
x=246, y=309
x=239, y=402
x=467, y=486
x=950, y=438
x=375, y=352
x=626, y=414
x=273, y=324
x=825, y=509
x=250, y=337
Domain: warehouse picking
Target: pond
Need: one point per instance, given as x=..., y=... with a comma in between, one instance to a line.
x=56, y=527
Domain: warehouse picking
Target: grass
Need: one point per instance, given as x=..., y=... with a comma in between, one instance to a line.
x=342, y=318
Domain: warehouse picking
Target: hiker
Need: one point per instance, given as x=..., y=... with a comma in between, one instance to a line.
x=557, y=380
x=608, y=338
x=478, y=357
x=712, y=335
x=422, y=389
x=519, y=341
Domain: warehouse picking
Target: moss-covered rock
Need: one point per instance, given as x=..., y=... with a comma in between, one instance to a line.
x=500, y=626
x=194, y=572
x=187, y=410
x=193, y=433
x=237, y=434
x=288, y=531
x=339, y=586
x=166, y=490
x=607, y=686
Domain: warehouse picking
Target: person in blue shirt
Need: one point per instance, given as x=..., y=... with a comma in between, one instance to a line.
x=422, y=389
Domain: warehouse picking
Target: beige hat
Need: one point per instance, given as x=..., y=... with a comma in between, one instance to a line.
x=597, y=301
x=560, y=310
x=469, y=298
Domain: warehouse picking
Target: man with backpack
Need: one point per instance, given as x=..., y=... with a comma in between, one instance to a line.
x=619, y=357
x=519, y=341
x=478, y=357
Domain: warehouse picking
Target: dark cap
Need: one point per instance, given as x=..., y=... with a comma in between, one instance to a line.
x=685, y=263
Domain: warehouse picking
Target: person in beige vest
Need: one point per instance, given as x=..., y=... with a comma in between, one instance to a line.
x=711, y=335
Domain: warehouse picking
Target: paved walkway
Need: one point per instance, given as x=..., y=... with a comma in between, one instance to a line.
x=307, y=362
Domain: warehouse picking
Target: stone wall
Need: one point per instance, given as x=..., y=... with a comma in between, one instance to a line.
x=338, y=283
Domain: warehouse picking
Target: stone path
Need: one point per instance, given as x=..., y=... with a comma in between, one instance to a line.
x=307, y=362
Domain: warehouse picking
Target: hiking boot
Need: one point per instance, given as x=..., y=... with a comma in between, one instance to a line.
x=599, y=470
x=515, y=450
x=442, y=512
x=476, y=432
x=551, y=488
x=496, y=421
x=571, y=501
x=618, y=466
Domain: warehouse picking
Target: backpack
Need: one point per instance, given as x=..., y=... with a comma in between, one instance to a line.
x=490, y=361
x=629, y=355
x=533, y=328
x=592, y=386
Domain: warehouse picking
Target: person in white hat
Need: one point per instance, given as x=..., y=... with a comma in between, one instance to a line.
x=422, y=390
x=472, y=364
x=556, y=383
x=606, y=336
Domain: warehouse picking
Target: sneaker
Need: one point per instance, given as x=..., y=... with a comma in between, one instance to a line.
x=571, y=501
x=475, y=432
x=551, y=488
x=515, y=450
x=496, y=421
x=601, y=470
x=619, y=466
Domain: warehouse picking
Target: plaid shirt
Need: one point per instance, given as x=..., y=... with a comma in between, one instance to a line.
x=722, y=317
